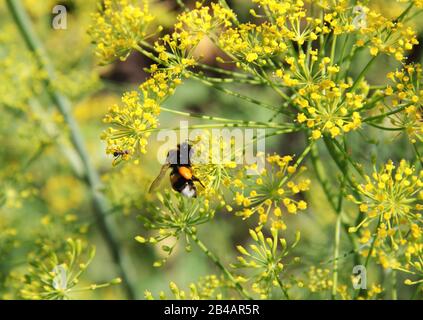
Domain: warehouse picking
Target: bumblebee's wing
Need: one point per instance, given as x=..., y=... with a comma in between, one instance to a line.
x=159, y=178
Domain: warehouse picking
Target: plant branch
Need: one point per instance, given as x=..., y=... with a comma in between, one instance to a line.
x=217, y=262
x=322, y=178
x=92, y=178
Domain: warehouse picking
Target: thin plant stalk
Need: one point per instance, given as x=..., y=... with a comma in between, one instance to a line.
x=222, y=268
x=101, y=206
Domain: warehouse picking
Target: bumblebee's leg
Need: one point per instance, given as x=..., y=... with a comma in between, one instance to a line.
x=194, y=178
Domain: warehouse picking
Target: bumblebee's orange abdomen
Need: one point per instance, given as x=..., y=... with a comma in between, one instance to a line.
x=185, y=172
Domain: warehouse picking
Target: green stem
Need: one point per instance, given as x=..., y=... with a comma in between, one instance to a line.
x=182, y=5
x=322, y=178
x=418, y=155
x=386, y=128
x=217, y=262
x=371, y=246
x=92, y=287
x=340, y=60
x=232, y=80
x=304, y=154
x=419, y=288
x=205, y=80
x=148, y=54
x=337, y=240
x=337, y=237
x=236, y=94
x=369, y=254
x=284, y=129
x=338, y=159
x=321, y=175
x=362, y=74
x=384, y=115
x=405, y=12
x=335, y=255
x=333, y=49
x=394, y=285
x=201, y=65
x=274, y=87
x=284, y=291
x=225, y=5
x=267, y=135
x=92, y=178
x=348, y=158
x=371, y=103
x=211, y=118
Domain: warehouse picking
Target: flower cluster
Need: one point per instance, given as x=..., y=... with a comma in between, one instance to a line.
x=329, y=108
x=373, y=30
x=119, y=27
x=20, y=80
x=213, y=162
x=272, y=191
x=318, y=279
x=7, y=238
x=123, y=187
x=9, y=241
x=265, y=258
x=13, y=196
x=177, y=218
x=413, y=266
x=253, y=44
x=406, y=94
x=132, y=125
x=53, y=276
x=382, y=35
x=392, y=197
x=134, y=121
x=177, y=49
x=68, y=193
x=194, y=25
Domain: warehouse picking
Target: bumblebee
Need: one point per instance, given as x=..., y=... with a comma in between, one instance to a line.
x=181, y=177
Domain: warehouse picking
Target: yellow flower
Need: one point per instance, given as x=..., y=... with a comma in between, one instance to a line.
x=406, y=90
x=265, y=256
x=316, y=134
x=131, y=125
x=392, y=195
x=374, y=51
x=253, y=43
x=278, y=189
x=63, y=193
x=119, y=27
x=252, y=56
x=301, y=117
x=334, y=112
